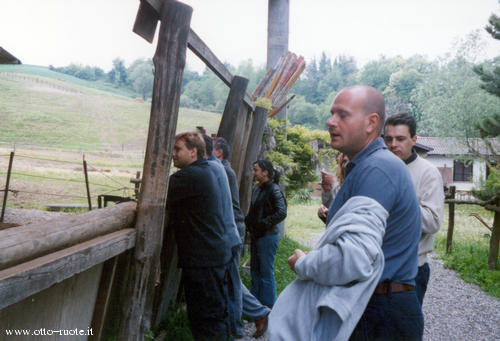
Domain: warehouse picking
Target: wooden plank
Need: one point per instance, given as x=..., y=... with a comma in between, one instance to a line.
x=103, y=298
x=253, y=147
x=244, y=147
x=494, y=240
x=170, y=278
x=451, y=221
x=22, y=243
x=230, y=116
x=169, y=61
x=146, y=21
x=66, y=305
x=24, y=280
x=277, y=34
x=238, y=148
x=203, y=52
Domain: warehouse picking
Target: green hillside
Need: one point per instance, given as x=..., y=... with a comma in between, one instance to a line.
x=45, y=108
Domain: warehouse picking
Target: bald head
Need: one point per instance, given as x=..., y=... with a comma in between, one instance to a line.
x=371, y=99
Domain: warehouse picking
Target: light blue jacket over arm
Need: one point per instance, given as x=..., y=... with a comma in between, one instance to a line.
x=336, y=279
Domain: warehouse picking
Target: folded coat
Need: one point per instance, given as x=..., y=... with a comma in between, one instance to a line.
x=336, y=279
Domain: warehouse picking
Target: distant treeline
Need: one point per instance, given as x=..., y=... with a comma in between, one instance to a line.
x=426, y=89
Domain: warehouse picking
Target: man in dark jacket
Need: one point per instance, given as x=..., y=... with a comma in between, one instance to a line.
x=251, y=306
x=203, y=237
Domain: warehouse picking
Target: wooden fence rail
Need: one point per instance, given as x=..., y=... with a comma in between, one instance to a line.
x=491, y=205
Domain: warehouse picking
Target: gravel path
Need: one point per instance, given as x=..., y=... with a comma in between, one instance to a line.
x=455, y=310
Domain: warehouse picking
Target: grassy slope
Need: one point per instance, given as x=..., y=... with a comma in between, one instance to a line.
x=46, y=108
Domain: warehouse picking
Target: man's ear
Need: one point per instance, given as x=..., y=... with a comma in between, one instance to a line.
x=373, y=123
x=414, y=139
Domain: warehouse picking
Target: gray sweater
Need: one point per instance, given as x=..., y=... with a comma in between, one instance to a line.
x=335, y=279
x=429, y=187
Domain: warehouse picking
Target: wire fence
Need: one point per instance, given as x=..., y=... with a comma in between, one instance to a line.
x=29, y=186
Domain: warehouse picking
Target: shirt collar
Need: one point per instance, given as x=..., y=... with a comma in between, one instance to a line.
x=412, y=157
x=375, y=145
x=263, y=182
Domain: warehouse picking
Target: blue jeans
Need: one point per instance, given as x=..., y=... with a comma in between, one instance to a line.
x=421, y=281
x=393, y=316
x=262, y=253
x=252, y=308
x=235, y=292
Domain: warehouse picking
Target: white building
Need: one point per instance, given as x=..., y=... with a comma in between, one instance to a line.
x=447, y=155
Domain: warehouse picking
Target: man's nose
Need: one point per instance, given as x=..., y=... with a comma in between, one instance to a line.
x=332, y=121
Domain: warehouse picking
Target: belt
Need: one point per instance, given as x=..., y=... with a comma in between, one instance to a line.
x=386, y=287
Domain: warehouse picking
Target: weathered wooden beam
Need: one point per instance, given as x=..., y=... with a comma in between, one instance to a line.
x=244, y=147
x=169, y=61
x=22, y=243
x=253, y=147
x=230, y=116
x=277, y=35
x=103, y=298
x=203, y=52
x=451, y=220
x=26, y=279
x=170, y=278
x=239, y=146
x=494, y=240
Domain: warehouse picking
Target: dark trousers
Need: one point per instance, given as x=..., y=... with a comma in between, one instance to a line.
x=392, y=316
x=421, y=281
x=207, y=298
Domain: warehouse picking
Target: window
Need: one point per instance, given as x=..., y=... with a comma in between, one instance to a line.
x=462, y=171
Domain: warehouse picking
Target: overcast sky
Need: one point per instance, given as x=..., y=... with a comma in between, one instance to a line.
x=94, y=32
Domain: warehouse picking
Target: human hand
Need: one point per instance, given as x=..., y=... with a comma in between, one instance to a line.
x=294, y=258
x=327, y=178
x=322, y=212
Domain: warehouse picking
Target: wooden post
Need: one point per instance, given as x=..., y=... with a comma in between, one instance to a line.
x=230, y=116
x=451, y=220
x=244, y=147
x=6, y=190
x=103, y=298
x=253, y=147
x=494, y=240
x=239, y=146
x=277, y=35
x=169, y=61
x=87, y=182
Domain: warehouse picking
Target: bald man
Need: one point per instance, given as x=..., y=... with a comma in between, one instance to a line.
x=393, y=311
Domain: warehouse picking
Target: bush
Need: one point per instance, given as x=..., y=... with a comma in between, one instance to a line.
x=295, y=154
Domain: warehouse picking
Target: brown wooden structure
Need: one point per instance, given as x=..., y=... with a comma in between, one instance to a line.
x=61, y=275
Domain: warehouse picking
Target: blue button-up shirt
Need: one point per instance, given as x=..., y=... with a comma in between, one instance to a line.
x=379, y=174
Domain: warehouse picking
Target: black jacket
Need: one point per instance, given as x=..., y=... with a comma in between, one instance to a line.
x=267, y=209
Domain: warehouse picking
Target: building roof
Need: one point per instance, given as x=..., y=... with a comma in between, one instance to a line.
x=452, y=146
x=7, y=58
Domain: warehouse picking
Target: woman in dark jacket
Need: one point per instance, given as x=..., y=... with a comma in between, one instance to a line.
x=267, y=209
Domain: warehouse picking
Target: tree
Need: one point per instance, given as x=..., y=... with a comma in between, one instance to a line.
x=378, y=73
x=118, y=75
x=141, y=76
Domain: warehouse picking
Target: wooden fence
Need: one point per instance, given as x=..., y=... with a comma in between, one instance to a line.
x=61, y=275
x=492, y=205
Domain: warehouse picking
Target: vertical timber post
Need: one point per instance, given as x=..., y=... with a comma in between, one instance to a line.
x=253, y=147
x=6, y=190
x=494, y=239
x=89, y=200
x=169, y=61
x=451, y=220
x=230, y=117
x=277, y=35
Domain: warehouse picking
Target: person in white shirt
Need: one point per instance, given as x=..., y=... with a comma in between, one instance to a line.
x=400, y=138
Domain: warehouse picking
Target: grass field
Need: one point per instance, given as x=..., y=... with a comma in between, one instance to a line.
x=64, y=112
x=51, y=120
